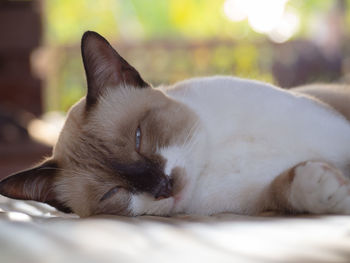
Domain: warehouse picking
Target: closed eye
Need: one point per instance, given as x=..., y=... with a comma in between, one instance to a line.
x=110, y=193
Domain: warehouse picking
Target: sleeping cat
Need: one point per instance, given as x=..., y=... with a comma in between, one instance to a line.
x=202, y=146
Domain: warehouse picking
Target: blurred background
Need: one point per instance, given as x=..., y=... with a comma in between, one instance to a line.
x=283, y=42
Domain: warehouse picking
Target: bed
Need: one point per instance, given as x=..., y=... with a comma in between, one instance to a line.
x=34, y=232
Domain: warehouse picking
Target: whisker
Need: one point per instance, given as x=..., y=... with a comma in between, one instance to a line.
x=186, y=143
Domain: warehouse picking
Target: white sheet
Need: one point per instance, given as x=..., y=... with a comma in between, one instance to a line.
x=32, y=232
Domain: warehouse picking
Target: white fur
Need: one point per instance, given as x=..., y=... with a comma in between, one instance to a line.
x=248, y=133
x=144, y=204
x=174, y=156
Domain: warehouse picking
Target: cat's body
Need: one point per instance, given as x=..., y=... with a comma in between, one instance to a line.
x=202, y=146
x=254, y=132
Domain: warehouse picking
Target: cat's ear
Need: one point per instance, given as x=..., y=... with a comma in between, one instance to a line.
x=105, y=68
x=34, y=184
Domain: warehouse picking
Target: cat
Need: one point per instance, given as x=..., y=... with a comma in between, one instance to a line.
x=201, y=146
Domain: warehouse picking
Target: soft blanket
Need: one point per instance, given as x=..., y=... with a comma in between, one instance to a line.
x=33, y=232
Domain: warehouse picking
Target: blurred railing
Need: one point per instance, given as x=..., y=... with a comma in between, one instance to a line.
x=165, y=62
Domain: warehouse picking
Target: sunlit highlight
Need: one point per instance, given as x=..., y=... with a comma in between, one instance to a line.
x=47, y=129
x=287, y=27
x=17, y=216
x=235, y=10
x=268, y=17
x=264, y=16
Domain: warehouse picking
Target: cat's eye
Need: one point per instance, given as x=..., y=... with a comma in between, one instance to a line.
x=138, y=139
x=110, y=193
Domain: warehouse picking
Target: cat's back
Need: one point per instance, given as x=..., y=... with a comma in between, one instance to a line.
x=249, y=99
x=252, y=118
x=223, y=91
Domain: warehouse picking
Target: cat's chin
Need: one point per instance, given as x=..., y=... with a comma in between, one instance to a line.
x=143, y=204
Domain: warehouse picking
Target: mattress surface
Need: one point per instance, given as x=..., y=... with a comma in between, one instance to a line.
x=33, y=232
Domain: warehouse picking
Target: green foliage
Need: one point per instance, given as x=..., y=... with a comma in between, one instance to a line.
x=66, y=19
x=149, y=19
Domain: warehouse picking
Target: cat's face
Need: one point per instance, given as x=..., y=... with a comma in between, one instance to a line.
x=112, y=157
x=125, y=149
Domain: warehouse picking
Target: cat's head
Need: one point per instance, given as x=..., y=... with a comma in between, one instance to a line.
x=126, y=148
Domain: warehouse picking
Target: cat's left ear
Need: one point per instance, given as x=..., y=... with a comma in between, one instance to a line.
x=34, y=184
x=105, y=68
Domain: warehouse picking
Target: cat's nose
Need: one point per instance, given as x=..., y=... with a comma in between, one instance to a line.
x=165, y=189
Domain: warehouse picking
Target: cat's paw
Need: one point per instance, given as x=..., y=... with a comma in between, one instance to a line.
x=318, y=187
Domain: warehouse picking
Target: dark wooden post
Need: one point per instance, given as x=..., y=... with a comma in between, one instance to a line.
x=20, y=90
x=20, y=34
